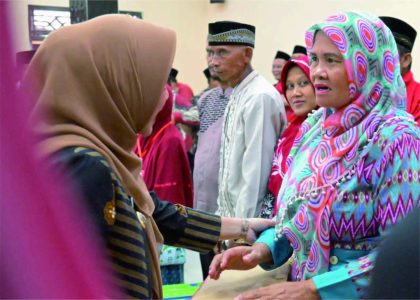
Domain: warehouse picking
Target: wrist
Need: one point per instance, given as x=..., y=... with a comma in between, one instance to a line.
x=310, y=285
x=244, y=229
x=233, y=228
x=243, y=233
x=264, y=253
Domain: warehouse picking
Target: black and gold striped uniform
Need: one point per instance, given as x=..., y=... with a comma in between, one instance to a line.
x=120, y=225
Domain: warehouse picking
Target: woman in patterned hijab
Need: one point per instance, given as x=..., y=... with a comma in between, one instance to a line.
x=355, y=166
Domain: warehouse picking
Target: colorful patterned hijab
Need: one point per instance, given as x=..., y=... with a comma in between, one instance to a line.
x=330, y=141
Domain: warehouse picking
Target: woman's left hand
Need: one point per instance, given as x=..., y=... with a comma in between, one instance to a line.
x=283, y=290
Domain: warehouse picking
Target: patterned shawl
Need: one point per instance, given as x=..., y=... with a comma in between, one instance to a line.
x=330, y=141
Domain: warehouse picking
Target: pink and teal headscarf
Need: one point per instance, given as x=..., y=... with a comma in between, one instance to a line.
x=330, y=141
x=376, y=88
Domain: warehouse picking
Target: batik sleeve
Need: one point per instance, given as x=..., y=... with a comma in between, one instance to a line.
x=185, y=227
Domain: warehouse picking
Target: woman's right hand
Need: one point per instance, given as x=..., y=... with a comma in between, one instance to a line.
x=239, y=258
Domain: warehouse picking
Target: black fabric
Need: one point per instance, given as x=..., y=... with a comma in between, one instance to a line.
x=397, y=268
x=206, y=259
x=404, y=34
x=168, y=219
x=173, y=73
x=299, y=49
x=282, y=55
x=122, y=234
x=206, y=73
x=225, y=26
x=90, y=178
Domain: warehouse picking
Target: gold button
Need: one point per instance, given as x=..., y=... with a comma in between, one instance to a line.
x=142, y=219
x=333, y=260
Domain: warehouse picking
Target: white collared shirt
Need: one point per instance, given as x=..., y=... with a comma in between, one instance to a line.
x=254, y=119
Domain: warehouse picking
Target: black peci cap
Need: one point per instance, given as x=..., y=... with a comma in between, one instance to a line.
x=404, y=34
x=231, y=33
x=299, y=49
x=282, y=55
x=173, y=73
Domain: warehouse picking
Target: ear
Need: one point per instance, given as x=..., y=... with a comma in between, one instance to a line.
x=405, y=60
x=248, y=54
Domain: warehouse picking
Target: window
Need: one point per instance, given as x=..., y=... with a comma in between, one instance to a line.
x=45, y=19
x=134, y=14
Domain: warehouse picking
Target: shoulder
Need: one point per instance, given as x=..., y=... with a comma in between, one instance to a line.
x=171, y=140
x=85, y=166
x=398, y=128
x=209, y=94
x=173, y=135
x=259, y=89
x=265, y=87
x=262, y=99
x=82, y=158
x=396, y=142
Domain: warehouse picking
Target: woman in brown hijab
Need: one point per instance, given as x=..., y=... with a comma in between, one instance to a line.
x=97, y=85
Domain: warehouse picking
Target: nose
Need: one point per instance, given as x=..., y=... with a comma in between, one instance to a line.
x=296, y=91
x=318, y=72
x=213, y=61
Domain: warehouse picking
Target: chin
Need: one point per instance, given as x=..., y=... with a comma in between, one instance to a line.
x=324, y=102
x=146, y=132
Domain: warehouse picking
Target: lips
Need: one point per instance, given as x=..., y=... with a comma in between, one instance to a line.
x=298, y=102
x=321, y=88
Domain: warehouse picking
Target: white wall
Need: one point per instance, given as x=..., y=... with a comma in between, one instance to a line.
x=280, y=25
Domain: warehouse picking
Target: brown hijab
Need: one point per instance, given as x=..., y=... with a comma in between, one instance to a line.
x=97, y=85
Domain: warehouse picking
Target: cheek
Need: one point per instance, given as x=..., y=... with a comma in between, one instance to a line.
x=311, y=98
x=344, y=84
x=288, y=95
x=311, y=74
x=237, y=62
x=309, y=94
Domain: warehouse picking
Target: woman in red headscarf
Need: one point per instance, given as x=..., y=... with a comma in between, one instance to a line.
x=299, y=93
x=165, y=163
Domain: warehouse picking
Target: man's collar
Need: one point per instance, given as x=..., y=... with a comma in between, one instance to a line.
x=245, y=81
x=408, y=77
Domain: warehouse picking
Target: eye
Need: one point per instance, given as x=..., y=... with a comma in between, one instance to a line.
x=313, y=59
x=289, y=86
x=222, y=53
x=303, y=83
x=331, y=60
